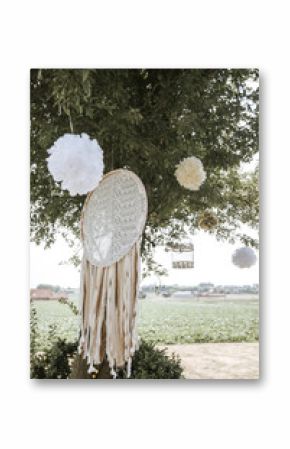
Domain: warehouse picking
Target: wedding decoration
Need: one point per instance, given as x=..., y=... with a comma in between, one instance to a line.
x=244, y=257
x=207, y=220
x=112, y=222
x=190, y=173
x=77, y=162
x=182, y=254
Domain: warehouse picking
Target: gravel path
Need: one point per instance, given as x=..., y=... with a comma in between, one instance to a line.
x=218, y=360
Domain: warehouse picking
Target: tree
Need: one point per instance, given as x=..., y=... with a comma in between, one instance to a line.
x=147, y=121
x=54, y=288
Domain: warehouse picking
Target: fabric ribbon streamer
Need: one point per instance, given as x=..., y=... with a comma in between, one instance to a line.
x=108, y=311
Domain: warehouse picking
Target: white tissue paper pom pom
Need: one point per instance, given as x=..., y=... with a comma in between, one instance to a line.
x=190, y=173
x=244, y=257
x=77, y=162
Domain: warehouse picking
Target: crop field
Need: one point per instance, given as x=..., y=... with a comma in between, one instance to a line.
x=188, y=321
x=168, y=321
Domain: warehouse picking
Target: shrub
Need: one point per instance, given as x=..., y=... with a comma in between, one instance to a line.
x=148, y=363
x=53, y=362
x=151, y=363
x=60, y=360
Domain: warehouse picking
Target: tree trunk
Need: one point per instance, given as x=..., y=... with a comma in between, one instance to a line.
x=80, y=367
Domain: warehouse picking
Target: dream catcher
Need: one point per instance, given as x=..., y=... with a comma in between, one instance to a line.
x=113, y=219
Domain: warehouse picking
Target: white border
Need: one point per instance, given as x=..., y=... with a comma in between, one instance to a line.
x=153, y=34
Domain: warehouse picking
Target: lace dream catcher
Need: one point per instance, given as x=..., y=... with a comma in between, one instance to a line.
x=113, y=219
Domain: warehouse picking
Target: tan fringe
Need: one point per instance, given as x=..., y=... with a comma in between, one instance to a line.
x=108, y=309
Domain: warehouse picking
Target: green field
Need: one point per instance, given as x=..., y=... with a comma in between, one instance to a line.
x=169, y=320
x=188, y=321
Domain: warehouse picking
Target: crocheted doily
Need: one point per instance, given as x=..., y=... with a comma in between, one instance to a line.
x=114, y=216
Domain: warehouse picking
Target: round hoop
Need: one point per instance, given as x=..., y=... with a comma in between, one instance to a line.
x=113, y=217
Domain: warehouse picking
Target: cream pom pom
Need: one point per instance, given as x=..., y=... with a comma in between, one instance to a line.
x=244, y=257
x=77, y=162
x=190, y=173
x=207, y=220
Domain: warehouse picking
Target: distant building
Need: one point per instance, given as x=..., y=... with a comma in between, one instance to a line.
x=205, y=287
x=46, y=293
x=182, y=294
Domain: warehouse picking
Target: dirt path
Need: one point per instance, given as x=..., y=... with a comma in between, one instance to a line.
x=218, y=360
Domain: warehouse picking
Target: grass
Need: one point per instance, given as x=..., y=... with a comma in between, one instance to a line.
x=187, y=321
x=168, y=320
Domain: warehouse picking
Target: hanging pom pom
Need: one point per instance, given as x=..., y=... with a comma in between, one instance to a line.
x=244, y=257
x=77, y=162
x=190, y=173
x=207, y=220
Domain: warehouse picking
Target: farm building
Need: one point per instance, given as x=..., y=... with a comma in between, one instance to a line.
x=182, y=294
x=46, y=293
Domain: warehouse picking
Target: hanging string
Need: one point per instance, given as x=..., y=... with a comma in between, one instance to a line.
x=112, y=161
x=70, y=123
